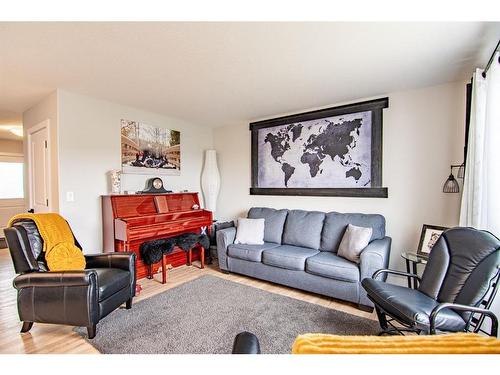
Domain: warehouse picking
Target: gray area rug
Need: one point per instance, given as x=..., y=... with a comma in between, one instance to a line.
x=204, y=315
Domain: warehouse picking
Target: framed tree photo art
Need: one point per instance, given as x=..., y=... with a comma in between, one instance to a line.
x=330, y=152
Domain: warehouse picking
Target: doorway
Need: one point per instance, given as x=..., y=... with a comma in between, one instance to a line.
x=11, y=175
x=39, y=167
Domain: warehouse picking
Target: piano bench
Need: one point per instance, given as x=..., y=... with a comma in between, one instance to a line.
x=164, y=268
x=202, y=257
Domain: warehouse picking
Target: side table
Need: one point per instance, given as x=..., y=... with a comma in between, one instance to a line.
x=412, y=259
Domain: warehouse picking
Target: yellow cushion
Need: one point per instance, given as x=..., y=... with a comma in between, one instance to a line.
x=65, y=256
x=456, y=343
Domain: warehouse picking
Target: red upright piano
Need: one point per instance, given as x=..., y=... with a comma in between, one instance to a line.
x=129, y=220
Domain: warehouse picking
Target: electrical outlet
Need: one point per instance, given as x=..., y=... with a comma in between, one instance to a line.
x=70, y=196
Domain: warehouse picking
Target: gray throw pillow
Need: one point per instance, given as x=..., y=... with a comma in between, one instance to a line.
x=354, y=241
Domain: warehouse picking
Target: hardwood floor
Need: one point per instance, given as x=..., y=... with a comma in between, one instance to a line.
x=51, y=338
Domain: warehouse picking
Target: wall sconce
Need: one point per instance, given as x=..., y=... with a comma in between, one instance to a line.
x=451, y=184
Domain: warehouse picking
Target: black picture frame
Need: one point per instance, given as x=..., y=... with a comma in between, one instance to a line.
x=422, y=250
x=376, y=190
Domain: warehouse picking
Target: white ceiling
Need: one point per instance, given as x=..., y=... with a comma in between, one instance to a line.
x=223, y=73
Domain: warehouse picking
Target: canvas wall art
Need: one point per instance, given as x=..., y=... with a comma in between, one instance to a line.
x=335, y=151
x=147, y=149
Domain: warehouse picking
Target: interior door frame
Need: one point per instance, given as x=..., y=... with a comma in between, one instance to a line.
x=30, y=132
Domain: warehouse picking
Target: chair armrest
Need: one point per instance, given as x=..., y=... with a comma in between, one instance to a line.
x=224, y=237
x=121, y=260
x=457, y=307
x=56, y=279
x=394, y=272
x=246, y=343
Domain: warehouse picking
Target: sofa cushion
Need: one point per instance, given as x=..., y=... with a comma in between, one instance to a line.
x=110, y=281
x=274, y=222
x=329, y=265
x=336, y=224
x=303, y=228
x=252, y=253
x=288, y=257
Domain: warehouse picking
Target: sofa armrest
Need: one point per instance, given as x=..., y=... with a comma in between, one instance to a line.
x=56, y=279
x=224, y=237
x=373, y=258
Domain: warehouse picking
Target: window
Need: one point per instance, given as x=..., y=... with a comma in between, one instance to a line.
x=11, y=180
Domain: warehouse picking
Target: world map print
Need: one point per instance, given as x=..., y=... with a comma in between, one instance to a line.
x=332, y=152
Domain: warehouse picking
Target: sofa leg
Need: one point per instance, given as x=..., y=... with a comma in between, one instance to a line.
x=226, y=272
x=128, y=304
x=26, y=327
x=91, y=331
x=365, y=308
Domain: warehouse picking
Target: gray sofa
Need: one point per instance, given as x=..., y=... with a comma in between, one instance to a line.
x=300, y=251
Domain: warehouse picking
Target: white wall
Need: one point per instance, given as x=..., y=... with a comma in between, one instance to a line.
x=46, y=109
x=89, y=146
x=423, y=135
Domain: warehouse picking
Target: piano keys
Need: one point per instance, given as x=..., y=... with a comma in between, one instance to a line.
x=130, y=220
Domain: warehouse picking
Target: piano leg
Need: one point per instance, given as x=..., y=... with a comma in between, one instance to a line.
x=189, y=257
x=164, y=269
x=150, y=272
x=202, y=257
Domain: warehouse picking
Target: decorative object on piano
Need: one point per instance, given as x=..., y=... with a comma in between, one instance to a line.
x=195, y=207
x=145, y=148
x=115, y=181
x=210, y=180
x=155, y=186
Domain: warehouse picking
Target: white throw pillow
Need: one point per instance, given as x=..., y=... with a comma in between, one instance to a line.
x=250, y=231
x=354, y=241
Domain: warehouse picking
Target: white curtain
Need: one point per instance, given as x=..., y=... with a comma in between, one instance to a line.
x=481, y=193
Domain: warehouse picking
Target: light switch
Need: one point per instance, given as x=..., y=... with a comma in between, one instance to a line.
x=70, y=196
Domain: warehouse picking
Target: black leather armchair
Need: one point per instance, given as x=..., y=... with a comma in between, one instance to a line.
x=246, y=343
x=455, y=292
x=77, y=298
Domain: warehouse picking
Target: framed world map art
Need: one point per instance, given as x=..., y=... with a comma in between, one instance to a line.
x=330, y=152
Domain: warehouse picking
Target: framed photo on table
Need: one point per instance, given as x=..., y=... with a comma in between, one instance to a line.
x=428, y=238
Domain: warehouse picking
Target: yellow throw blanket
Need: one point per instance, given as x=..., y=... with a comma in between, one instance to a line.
x=455, y=343
x=61, y=253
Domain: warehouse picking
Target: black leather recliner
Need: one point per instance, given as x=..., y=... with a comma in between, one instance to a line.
x=460, y=280
x=77, y=298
